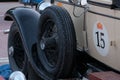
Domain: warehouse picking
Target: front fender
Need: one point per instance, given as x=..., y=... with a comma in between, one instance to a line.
x=27, y=20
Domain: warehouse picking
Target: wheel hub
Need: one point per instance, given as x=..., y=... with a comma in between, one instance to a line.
x=47, y=42
x=42, y=44
x=11, y=50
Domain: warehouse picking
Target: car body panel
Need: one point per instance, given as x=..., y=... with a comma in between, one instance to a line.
x=97, y=30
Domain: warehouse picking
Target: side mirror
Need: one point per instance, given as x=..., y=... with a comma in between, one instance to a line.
x=44, y=4
x=79, y=2
x=84, y=2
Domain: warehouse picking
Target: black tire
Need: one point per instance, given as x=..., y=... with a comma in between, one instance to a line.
x=16, y=52
x=32, y=74
x=56, y=43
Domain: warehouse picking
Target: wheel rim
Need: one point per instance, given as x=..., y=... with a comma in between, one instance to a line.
x=16, y=51
x=48, y=43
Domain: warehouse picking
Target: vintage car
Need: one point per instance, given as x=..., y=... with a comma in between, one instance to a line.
x=65, y=38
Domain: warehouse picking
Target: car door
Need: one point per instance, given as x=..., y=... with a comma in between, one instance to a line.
x=102, y=22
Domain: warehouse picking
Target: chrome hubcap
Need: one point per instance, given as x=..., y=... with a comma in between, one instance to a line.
x=42, y=45
x=11, y=50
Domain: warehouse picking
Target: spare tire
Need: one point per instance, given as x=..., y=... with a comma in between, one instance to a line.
x=16, y=52
x=56, y=44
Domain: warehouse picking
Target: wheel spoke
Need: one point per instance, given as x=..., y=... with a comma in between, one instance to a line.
x=49, y=41
x=18, y=54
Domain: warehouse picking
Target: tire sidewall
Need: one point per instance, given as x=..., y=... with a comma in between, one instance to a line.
x=13, y=30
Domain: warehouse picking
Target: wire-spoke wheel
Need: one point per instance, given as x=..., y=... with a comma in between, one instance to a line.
x=56, y=44
x=16, y=51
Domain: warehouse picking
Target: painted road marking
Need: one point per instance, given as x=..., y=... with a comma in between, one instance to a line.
x=2, y=15
x=4, y=60
x=5, y=31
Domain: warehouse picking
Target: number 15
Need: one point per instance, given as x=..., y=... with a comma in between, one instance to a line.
x=100, y=39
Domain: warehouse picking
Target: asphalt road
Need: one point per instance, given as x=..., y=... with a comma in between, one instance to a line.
x=4, y=25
